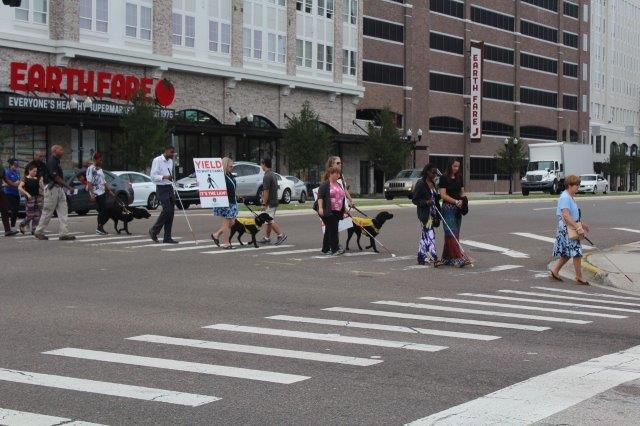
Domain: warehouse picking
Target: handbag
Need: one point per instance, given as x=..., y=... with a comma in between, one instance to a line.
x=573, y=232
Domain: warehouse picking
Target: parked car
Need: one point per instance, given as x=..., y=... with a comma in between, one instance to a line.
x=188, y=191
x=299, y=189
x=593, y=183
x=249, y=178
x=144, y=190
x=285, y=189
x=402, y=185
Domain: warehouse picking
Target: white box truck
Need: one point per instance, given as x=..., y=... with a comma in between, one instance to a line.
x=549, y=163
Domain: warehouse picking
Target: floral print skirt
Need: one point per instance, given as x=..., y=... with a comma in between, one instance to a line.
x=564, y=246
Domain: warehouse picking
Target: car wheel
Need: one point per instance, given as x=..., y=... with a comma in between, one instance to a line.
x=182, y=205
x=606, y=189
x=82, y=212
x=286, y=196
x=594, y=191
x=153, y=202
x=556, y=187
x=525, y=192
x=258, y=200
x=303, y=198
x=388, y=196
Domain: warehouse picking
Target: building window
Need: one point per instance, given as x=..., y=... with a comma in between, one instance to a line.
x=498, y=54
x=189, y=30
x=569, y=69
x=304, y=6
x=446, y=83
x=94, y=8
x=538, y=63
x=571, y=9
x=384, y=30
x=496, y=128
x=491, y=18
x=277, y=48
x=374, y=115
x=138, y=21
x=448, y=7
x=545, y=4
x=382, y=73
x=538, y=132
x=34, y=11
x=252, y=43
x=598, y=144
x=349, y=61
x=325, y=8
x=304, y=53
x=350, y=9
x=484, y=168
x=570, y=102
x=570, y=39
x=220, y=26
x=503, y=92
x=538, y=31
x=538, y=97
x=264, y=33
x=446, y=43
x=324, y=57
x=573, y=135
x=445, y=124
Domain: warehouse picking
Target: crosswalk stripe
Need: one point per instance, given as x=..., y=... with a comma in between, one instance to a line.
x=491, y=247
x=126, y=242
x=223, y=251
x=543, y=238
x=23, y=418
x=635, y=231
x=358, y=254
x=552, y=302
x=384, y=327
x=51, y=236
x=161, y=244
x=557, y=296
x=403, y=315
x=584, y=293
x=120, y=237
x=326, y=337
x=282, y=253
x=105, y=388
x=523, y=307
x=395, y=259
x=480, y=312
x=502, y=268
x=171, y=364
x=258, y=350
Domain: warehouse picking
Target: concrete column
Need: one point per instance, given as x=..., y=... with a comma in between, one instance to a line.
x=338, y=27
x=292, y=19
x=237, y=23
x=360, y=40
x=64, y=20
x=162, y=27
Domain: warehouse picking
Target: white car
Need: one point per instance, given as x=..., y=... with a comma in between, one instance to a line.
x=299, y=189
x=285, y=189
x=593, y=183
x=144, y=190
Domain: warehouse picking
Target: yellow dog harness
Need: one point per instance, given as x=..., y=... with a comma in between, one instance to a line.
x=246, y=222
x=364, y=222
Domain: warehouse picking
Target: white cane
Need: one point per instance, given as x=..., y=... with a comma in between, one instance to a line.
x=193, y=234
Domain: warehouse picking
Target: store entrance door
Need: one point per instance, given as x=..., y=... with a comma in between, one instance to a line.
x=194, y=145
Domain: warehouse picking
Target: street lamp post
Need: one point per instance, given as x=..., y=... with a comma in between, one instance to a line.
x=412, y=142
x=84, y=107
x=511, y=144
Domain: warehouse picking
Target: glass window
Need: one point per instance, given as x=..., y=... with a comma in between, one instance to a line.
x=445, y=83
x=102, y=15
x=491, y=18
x=40, y=11
x=382, y=73
x=383, y=30
x=22, y=12
x=132, y=20
x=446, y=43
x=145, y=23
x=86, y=14
x=189, y=31
x=498, y=54
x=177, y=29
x=448, y=7
x=32, y=11
x=445, y=124
x=138, y=178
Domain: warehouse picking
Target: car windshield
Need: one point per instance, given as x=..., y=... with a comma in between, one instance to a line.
x=408, y=174
x=587, y=177
x=540, y=165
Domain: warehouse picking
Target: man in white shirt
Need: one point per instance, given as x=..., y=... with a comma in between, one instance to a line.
x=98, y=188
x=162, y=176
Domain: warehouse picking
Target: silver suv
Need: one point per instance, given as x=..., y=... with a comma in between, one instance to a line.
x=402, y=185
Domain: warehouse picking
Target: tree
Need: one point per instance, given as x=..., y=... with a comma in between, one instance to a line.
x=511, y=158
x=306, y=144
x=617, y=165
x=144, y=134
x=385, y=147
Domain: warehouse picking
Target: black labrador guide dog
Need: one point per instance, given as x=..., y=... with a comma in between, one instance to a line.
x=250, y=225
x=118, y=212
x=371, y=226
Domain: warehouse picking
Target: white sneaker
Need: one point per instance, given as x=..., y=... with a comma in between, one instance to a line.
x=265, y=240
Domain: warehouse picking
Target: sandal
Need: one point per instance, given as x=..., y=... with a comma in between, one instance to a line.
x=229, y=247
x=215, y=240
x=554, y=277
x=581, y=281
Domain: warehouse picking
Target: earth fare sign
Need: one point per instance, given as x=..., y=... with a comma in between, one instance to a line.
x=100, y=84
x=475, y=110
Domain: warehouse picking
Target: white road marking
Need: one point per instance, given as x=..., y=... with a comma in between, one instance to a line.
x=611, y=296
x=413, y=267
x=542, y=396
x=171, y=364
x=480, y=312
x=395, y=259
x=223, y=251
x=544, y=208
x=282, y=253
x=122, y=237
x=327, y=337
x=557, y=296
x=523, y=307
x=552, y=302
x=635, y=231
x=161, y=244
x=491, y=247
x=23, y=418
x=51, y=236
x=388, y=314
x=358, y=254
x=502, y=268
x=545, y=239
x=258, y=350
x=126, y=242
x=384, y=327
x=633, y=202
x=105, y=388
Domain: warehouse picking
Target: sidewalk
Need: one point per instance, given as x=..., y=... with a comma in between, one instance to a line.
x=617, y=267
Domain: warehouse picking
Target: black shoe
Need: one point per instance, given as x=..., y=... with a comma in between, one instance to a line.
x=169, y=241
x=67, y=237
x=153, y=236
x=100, y=231
x=10, y=233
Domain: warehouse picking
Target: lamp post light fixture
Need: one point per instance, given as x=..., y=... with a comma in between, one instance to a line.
x=511, y=144
x=412, y=142
x=83, y=108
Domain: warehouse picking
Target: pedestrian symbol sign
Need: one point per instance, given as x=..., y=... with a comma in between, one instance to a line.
x=212, y=186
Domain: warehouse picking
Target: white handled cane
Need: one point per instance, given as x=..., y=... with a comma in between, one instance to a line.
x=175, y=189
x=454, y=237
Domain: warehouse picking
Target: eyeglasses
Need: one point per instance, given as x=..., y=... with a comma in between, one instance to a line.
x=338, y=162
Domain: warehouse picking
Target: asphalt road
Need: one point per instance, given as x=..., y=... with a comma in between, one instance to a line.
x=83, y=301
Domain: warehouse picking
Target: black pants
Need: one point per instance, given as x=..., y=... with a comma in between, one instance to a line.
x=14, y=205
x=168, y=201
x=4, y=211
x=330, y=240
x=103, y=217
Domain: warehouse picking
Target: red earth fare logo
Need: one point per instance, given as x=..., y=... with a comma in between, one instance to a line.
x=165, y=92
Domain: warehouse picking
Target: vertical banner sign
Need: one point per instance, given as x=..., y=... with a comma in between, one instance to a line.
x=475, y=110
x=212, y=186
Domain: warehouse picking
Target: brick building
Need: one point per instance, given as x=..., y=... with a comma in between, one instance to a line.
x=535, y=74
x=239, y=68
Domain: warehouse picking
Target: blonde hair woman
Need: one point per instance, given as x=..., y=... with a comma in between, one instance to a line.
x=335, y=161
x=228, y=214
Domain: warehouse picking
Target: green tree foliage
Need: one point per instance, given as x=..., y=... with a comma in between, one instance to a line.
x=306, y=144
x=617, y=165
x=144, y=137
x=385, y=147
x=512, y=157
